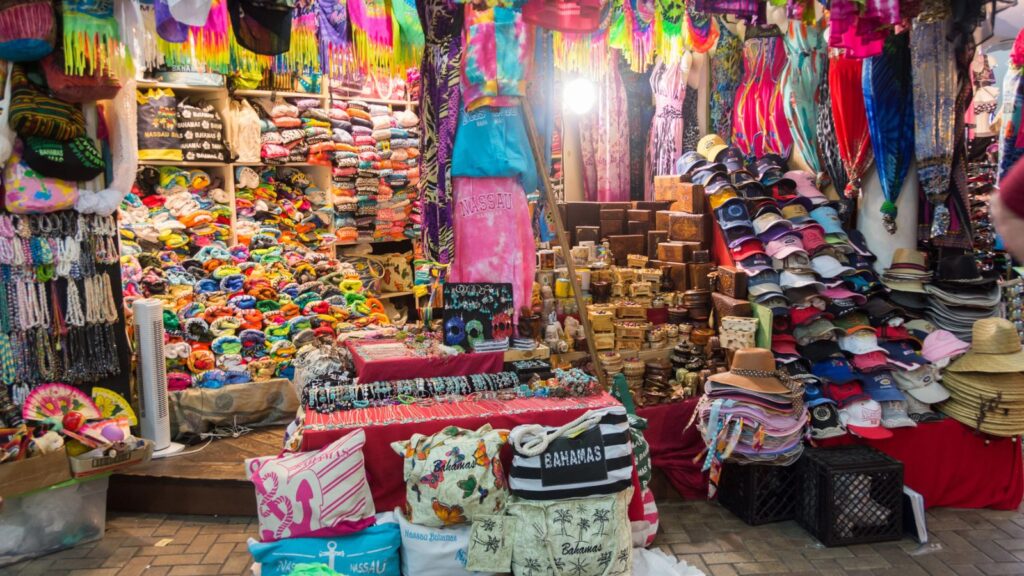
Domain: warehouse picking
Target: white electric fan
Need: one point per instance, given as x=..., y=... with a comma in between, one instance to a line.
x=154, y=420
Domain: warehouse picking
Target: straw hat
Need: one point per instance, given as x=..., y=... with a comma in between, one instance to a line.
x=752, y=369
x=995, y=348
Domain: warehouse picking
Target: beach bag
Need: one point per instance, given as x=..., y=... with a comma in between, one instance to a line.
x=35, y=113
x=73, y=88
x=589, y=456
x=454, y=475
x=322, y=493
x=27, y=30
x=158, y=125
x=202, y=132
x=26, y=191
x=578, y=537
x=76, y=160
x=372, y=551
x=429, y=551
x=397, y=273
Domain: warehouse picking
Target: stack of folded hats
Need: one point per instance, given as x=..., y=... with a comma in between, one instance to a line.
x=752, y=413
x=959, y=296
x=984, y=384
x=905, y=278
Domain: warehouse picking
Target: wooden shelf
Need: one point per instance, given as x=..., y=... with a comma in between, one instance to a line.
x=182, y=87
x=390, y=295
x=278, y=93
x=407, y=103
x=644, y=355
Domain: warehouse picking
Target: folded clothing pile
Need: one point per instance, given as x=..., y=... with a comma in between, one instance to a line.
x=281, y=202
x=174, y=209
x=753, y=413
x=294, y=131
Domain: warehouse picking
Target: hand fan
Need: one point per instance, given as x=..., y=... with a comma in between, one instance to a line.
x=112, y=404
x=106, y=431
x=59, y=405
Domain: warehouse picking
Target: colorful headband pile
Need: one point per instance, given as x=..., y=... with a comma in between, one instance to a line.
x=281, y=204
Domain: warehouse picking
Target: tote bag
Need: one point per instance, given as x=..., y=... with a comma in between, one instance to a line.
x=26, y=191
x=590, y=456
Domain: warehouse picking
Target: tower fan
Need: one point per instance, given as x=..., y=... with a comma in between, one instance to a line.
x=154, y=420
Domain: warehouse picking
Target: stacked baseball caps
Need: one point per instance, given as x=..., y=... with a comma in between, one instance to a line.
x=834, y=327
x=753, y=413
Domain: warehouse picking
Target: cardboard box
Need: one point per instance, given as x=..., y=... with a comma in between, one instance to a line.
x=97, y=462
x=33, y=474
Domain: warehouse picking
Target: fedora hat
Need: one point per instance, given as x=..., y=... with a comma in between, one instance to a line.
x=753, y=369
x=907, y=262
x=995, y=348
x=961, y=270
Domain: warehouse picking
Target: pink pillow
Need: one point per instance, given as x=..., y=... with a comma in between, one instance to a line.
x=313, y=494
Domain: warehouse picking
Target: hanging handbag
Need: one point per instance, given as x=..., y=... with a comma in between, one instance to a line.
x=34, y=112
x=74, y=88
x=29, y=192
x=27, y=30
x=589, y=456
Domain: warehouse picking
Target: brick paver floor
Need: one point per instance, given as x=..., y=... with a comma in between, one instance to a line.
x=963, y=542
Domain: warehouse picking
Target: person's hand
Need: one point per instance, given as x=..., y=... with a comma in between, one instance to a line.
x=1010, y=227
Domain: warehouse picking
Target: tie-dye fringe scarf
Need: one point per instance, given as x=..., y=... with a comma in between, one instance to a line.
x=372, y=34
x=207, y=48
x=91, y=37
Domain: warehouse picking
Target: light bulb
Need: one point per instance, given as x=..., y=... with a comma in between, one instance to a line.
x=579, y=95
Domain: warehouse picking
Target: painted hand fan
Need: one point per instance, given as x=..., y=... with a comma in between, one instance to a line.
x=106, y=431
x=60, y=405
x=112, y=404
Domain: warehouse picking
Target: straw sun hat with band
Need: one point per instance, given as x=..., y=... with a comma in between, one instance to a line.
x=995, y=348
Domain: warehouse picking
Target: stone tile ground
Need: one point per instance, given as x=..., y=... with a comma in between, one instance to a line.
x=964, y=542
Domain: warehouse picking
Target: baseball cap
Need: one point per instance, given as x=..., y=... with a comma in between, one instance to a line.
x=841, y=307
x=690, y=161
x=881, y=311
x=870, y=362
x=814, y=238
x=770, y=220
x=846, y=393
x=895, y=334
x=903, y=355
x=881, y=386
x=737, y=235
x=853, y=322
x=721, y=194
x=820, y=329
x=825, y=422
x=764, y=283
x=860, y=244
x=796, y=213
x=711, y=146
x=821, y=350
x=862, y=282
x=829, y=220
x=792, y=280
x=805, y=314
x=756, y=263
x=707, y=178
x=733, y=159
x=747, y=248
x=835, y=370
x=941, y=346
x=828, y=267
x=798, y=262
x=840, y=293
x=733, y=213
x=785, y=245
x=860, y=342
x=894, y=415
x=807, y=296
x=806, y=187
x=813, y=395
x=923, y=384
x=864, y=418
x=784, y=344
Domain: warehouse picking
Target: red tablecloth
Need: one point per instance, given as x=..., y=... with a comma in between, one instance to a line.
x=386, y=425
x=952, y=466
x=673, y=446
x=399, y=368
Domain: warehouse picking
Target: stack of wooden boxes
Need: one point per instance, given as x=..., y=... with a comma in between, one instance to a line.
x=682, y=233
x=627, y=226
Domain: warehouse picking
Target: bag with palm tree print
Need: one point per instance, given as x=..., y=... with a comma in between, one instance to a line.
x=577, y=537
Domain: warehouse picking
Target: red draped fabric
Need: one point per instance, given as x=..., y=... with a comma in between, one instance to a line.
x=851, y=119
x=954, y=467
x=674, y=446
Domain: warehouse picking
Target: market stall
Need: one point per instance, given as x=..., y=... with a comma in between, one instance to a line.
x=493, y=262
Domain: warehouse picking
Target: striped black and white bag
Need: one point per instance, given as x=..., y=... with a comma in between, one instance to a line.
x=589, y=456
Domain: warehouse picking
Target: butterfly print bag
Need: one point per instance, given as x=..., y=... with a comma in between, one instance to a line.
x=454, y=475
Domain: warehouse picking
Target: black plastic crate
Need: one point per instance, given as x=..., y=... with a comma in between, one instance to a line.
x=759, y=493
x=850, y=495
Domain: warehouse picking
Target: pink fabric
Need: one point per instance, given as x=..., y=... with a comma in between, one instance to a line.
x=604, y=142
x=494, y=236
x=399, y=368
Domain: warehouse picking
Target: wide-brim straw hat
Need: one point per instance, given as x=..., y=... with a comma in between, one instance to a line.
x=997, y=421
x=995, y=349
x=752, y=369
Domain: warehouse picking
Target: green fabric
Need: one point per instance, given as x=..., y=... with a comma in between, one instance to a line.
x=764, y=325
x=313, y=570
